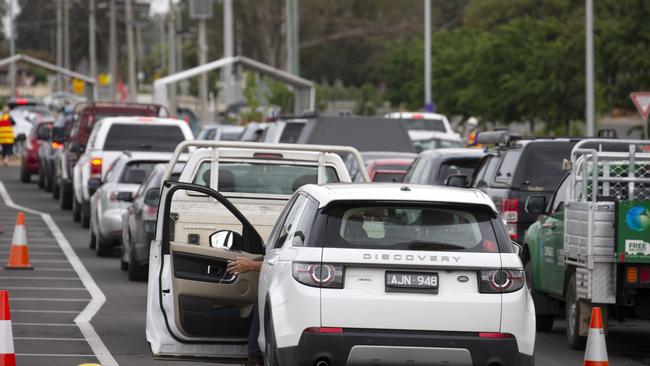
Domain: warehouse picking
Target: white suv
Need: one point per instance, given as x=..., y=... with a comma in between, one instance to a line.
x=354, y=274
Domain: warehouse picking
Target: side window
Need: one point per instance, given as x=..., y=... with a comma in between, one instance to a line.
x=288, y=226
x=560, y=196
x=305, y=222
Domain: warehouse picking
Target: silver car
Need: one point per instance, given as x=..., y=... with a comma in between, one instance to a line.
x=114, y=196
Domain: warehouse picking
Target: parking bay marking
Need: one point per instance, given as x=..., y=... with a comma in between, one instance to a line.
x=44, y=299
x=97, y=296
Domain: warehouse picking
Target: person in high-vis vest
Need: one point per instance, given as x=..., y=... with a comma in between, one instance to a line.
x=6, y=136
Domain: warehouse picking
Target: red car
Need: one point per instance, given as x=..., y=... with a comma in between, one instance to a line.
x=388, y=170
x=39, y=133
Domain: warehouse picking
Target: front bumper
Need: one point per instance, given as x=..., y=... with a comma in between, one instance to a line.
x=388, y=347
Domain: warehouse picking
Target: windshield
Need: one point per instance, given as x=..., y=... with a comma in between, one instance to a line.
x=144, y=137
x=262, y=178
x=422, y=145
x=417, y=227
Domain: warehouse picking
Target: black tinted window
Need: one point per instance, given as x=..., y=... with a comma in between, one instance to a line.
x=291, y=132
x=543, y=164
x=143, y=137
x=388, y=177
x=456, y=167
x=508, y=165
x=136, y=172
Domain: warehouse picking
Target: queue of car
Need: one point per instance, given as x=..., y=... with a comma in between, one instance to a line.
x=418, y=264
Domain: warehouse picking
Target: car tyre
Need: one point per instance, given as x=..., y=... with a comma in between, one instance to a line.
x=572, y=310
x=544, y=323
x=85, y=214
x=65, y=197
x=137, y=272
x=271, y=347
x=49, y=184
x=93, y=237
x=55, y=189
x=41, y=177
x=76, y=210
x=25, y=177
x=103, y=247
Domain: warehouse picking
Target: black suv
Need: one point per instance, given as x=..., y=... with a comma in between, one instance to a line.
x=516, y=170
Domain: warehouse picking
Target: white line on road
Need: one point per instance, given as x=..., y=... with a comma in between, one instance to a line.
x=52, y=355
x=48, y=261
x=45, y=324
x=44, y=288
x=47, y=339
x=98, y=298
x=40, y=278
x=44, y=311
x=44, y=299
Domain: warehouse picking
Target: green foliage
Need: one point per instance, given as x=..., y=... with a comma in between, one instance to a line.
x=251, y=96
x=281, y=96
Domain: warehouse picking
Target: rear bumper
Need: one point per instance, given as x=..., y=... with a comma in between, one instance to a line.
x=364, y=347
x=111, y=224
x=30, y=162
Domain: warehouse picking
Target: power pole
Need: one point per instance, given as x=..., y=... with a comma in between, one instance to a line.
x=428, y=99
x=112, y=50
x=203, y=81
x=589, y=64
x=228, y=50
x=292, y=28
x=12, y=48
x=171, y=30
x=66, y=34
x=59, y=42
x=92, y=34
x=130, y=43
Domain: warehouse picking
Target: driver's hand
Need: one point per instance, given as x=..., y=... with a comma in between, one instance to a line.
x=242, y=265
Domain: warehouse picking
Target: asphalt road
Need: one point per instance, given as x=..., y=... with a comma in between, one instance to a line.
x=120, y=322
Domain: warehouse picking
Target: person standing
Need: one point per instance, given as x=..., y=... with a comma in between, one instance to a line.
x=6, y=136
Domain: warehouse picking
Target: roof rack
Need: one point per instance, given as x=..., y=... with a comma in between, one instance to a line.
x=160, y=110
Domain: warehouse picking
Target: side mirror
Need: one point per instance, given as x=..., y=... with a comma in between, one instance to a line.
x=125, y=196
x=152, y=197
x=43, y=134
x=76, y=147
x=457, y=180
x=226, y=239
x=516, y=247
x=93, y=185
x=536, y=205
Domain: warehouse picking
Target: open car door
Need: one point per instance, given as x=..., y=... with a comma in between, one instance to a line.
x=195, y=309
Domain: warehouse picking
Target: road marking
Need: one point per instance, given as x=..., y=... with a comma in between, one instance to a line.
x=44, y=311
x=47, y=339
x=49, y=261
x=33, y=252
x=44, y=288
x=98, y=298
x=52, y=355
x=44, y=299
x=46, y=324
x=54, y=269
x=41, y=278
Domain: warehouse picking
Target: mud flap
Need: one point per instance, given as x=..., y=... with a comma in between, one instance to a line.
x=585, y=316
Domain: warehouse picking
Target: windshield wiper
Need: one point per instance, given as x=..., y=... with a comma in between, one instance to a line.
x=430, y=245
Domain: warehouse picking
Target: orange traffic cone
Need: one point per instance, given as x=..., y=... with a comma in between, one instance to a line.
x=7, y=355
x=596, y=353
x=19, y=255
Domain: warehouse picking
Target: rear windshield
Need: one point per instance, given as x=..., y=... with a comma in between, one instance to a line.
x=136, y=172
x=389, y=177
x=262, y=178
x=423, y=145
x=144, y=137
x=417, y=227
x=457, y=167
x=426, y=125
x=291, y=132
x=543, y=165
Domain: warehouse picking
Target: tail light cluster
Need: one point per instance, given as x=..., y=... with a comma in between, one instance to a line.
x=323, y=275
x=96, y=167
x=637, y=275
x=56, y=145
x=499, y=281
x=510, y=213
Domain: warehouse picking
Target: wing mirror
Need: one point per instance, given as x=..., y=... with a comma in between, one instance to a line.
x=77, y=148
x=93, y=185
x=152, y=197
x=457, y=180
x=226, y=239
x=536, y=205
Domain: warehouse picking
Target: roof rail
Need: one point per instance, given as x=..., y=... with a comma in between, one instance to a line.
x=264, y=146
x=160, y=110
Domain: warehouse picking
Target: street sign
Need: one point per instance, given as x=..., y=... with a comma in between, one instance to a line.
x=642, y=103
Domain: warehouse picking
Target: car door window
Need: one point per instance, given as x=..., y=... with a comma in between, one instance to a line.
x=560, y=196
x=289, y=225
x=304, y=223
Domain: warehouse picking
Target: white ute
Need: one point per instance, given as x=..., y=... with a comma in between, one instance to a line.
x=353, y=274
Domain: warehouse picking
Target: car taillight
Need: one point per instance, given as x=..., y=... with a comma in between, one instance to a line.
x=96, y=167
x=323, y=330
x=499, y=281
x=637, y=274
x=150, y=213
x=56, y=145
x=644, y=275
x=319, y=274
x=510, y=213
